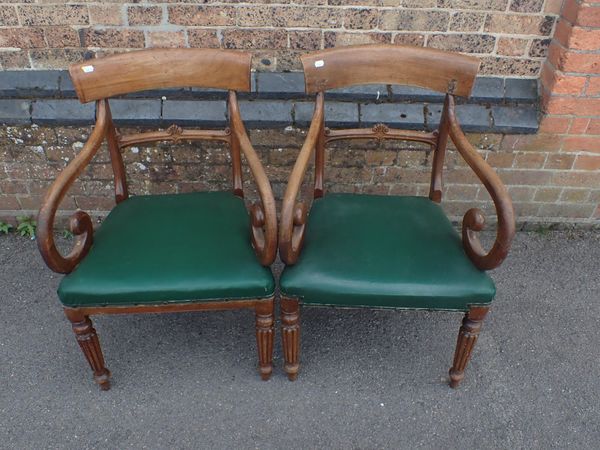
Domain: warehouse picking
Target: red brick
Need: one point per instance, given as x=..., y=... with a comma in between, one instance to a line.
x=594, y=88
x=579, y=125
x=531, y=142
x=587, y=162
x=589, y=16
x=9, y=202
x=575, y=106
x=580, y=63
x=570, y=10
x=559, y=161
x=571, y=211
x=500, y=159
x=594, y=126
x=95, y=203
x=559, y=83
x=529, y=160
x=525, y=177
x=556, y=125
x=563, y=32
x=575, y=179
x=547, y=194
x=581, y=144
x=582, y=39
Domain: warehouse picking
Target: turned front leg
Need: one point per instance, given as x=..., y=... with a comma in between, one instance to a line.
x=264, y=338
x=290, y=333
x=467, y=337
x=90, y=346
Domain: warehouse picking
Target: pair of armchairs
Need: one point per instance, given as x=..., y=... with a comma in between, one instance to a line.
x=207, y=251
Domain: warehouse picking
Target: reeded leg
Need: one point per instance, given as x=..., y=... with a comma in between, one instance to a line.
x=467, y=337
x=264, y=338
x=290, y=333
x=90, y=346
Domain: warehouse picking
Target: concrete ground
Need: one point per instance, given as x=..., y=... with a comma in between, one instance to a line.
x=369, y=379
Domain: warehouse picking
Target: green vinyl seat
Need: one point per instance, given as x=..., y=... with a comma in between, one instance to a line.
x=384, y=251
x=170, y=248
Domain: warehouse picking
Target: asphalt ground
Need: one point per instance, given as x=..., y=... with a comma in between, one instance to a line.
x=369, y=379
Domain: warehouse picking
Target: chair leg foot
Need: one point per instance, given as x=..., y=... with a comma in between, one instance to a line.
x=264, y=338
x=90, y=346
x=290, y=333
x=467, y=337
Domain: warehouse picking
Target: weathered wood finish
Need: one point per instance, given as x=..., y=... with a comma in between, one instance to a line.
x=290, y=334
x=146, y=70
x=161, y=68
x=441, y=71
x=389, y=64
x=467, y=337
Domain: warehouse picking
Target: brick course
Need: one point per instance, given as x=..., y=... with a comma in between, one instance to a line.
x=547, y=184
x=553, y=176
x=510, y=36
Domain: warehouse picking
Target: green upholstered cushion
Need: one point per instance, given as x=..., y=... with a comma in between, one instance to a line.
x=382, y=251
x=170, y=248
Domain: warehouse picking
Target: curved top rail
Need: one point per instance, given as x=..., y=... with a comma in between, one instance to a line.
x=390, y=64
x=161, y=68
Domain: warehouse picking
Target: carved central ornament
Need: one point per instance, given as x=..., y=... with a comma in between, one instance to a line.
x=175, y=131
x=380, y=130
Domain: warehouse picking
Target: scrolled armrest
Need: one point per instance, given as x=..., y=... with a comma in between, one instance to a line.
x=263, y=215
x=293, y=214
x=474, y=220
x=80, y=223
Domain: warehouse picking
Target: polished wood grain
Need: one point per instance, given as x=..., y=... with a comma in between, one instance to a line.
x=174, y=134
x=161, y=68
x=80, y=223
x=265, y=333
x=290, y=334
x=380, y=132
x=389, y=64
x=151, y=69
x=467, y=338
x=474, y=219
x=441, y=71
x=293, y=215
x=90, y=346
x=264, y=218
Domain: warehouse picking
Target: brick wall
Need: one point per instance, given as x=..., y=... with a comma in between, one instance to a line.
x=553, y=175
x=510, y=36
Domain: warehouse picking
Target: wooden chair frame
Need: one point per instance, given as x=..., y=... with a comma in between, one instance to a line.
x=149, y=69
x=452, y=74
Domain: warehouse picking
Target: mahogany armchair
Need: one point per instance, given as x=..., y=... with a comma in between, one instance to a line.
x=204, y=251
x=386, y=251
